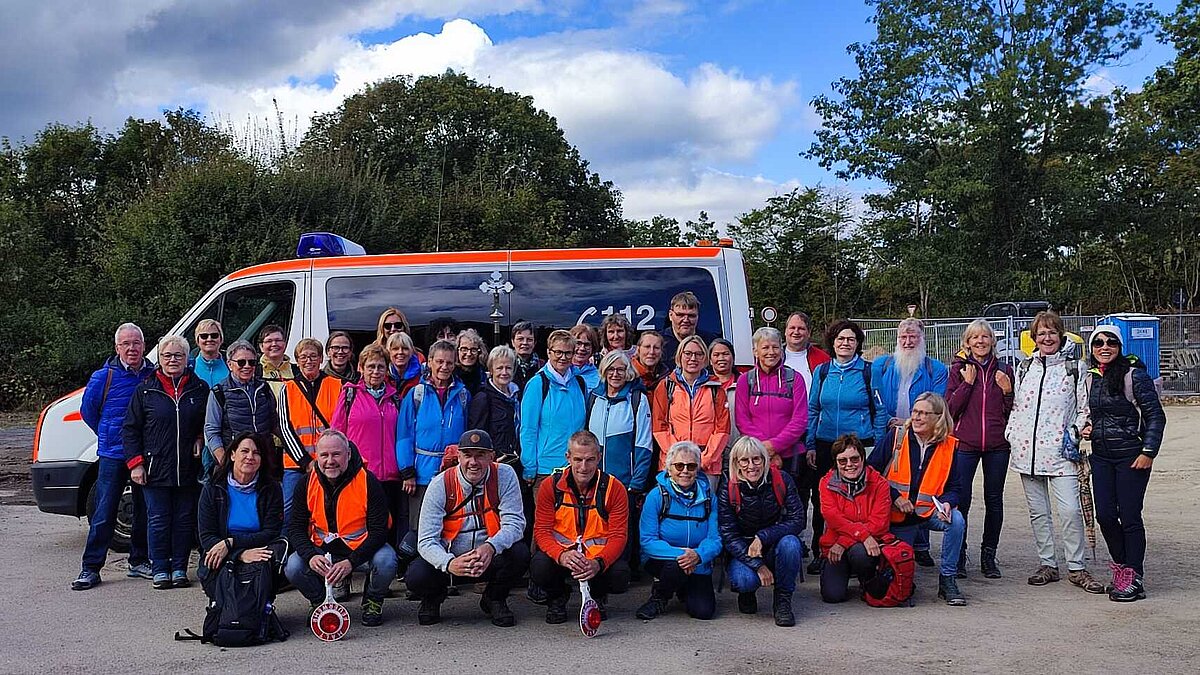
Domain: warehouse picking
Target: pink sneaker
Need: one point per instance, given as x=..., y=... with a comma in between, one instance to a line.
x=1122, y=577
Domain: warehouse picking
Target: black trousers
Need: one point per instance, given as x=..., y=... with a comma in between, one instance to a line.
x=695, y=590
x=824, y=452
x=506, y=570
x=557, y=580
x=835, y=577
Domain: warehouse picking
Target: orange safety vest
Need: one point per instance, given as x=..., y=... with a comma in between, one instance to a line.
x=933, y=481
x=351, y=511
x=303, y=419
x=575, y=520
x=485, y=504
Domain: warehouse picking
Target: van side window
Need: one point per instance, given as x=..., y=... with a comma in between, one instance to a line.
x=244, y=310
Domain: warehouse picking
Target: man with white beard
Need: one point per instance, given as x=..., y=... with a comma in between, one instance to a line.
x=896, y=381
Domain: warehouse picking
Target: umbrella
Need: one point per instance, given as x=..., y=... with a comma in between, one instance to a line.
x=1086, y=503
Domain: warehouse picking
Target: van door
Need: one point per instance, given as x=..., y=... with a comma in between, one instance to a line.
x=245, y=309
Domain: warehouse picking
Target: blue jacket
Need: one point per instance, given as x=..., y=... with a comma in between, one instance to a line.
x=840, y=405
x=666, y=539
x=547, y=422
x=590, y=374
x=213, y=372
x=106, y=414
x=885, y=381
x=624, y=445
x=422, y=433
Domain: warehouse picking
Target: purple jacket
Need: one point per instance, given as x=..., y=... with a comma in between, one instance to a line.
x=371, y=426
x=769, y=412
x=980, y=410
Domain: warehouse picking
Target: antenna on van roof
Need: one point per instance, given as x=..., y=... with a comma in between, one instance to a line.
x=326, y=244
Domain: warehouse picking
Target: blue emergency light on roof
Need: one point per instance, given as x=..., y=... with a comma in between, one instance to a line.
x=325, y=244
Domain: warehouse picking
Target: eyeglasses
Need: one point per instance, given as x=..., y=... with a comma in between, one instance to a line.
x=209, y=336
x=130, y=344
x=685, y=466
x=693, y=355
x=1047, y=333
x=685, y=315
x=469, y=350
x=845, y=338
x=339, y=348
x=273, y=341
x=172, y=356
x=393, y=325
x=309, y=356
x=849, y=461
x=558, y=353
x=244, y=363
x=747, y=461
x=1101, y=342
x=922, y=413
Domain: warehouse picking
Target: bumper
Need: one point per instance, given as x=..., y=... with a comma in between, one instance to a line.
x=57, y=485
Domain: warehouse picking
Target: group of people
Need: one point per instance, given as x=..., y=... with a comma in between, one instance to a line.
x=618, y=455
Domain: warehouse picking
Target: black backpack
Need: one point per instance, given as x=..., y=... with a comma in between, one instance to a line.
x=242, y=611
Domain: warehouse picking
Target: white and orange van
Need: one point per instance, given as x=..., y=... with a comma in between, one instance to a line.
x=328, y=289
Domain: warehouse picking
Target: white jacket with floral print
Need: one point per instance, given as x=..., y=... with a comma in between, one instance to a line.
x=1044, y=406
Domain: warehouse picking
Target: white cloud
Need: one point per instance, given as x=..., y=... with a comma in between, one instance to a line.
x=723, y=196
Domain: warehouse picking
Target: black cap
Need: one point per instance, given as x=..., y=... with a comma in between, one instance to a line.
x=475, y=439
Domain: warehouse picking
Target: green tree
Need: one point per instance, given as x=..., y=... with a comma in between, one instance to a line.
x=973, y=113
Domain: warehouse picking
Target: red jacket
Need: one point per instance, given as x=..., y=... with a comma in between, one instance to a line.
x=850, y=520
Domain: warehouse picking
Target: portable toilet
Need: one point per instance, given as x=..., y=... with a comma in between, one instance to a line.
x=1141, y=337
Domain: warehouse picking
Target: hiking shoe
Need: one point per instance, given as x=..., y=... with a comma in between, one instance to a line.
x=372, y=612
x=179, y=579
x=987, y=563
x=814, y=567
x=653, y=607
x=142, y=571
x=86, y=579
x=536, y=594
x=499, y=612
x=341, y=590
x=782, y=606
x=556, y=611
x=748, y=603
x=162, y=581
x=602, y=605
x=1084, y=580
x=430, y=611
x=923, y=558
x=948, y=591
x=1044, y=575
x=961, y=572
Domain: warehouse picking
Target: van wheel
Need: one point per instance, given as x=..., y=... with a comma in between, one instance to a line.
x=124, y=526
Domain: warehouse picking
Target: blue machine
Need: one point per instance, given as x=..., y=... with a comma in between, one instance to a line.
x=1141, y=337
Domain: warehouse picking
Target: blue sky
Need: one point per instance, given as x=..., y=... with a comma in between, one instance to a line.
x=685, y=105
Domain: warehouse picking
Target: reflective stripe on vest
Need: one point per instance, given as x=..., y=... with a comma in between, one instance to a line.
x=933, y=481
x=351, y=511
x=303, y=420
x=485, y=503
x=567, y=516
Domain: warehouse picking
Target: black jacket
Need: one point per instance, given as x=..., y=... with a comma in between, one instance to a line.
x=377, y=516
x=1120, y=429
x=496, y=414
x=213, y=515
x=760, y=516
x=161, y=431
x=473, y=378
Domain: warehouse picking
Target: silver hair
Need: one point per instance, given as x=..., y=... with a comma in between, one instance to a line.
x=747, y=446
x=334, y=433
x=681, y=447
x=766, y=333
x=617, y=356
x=401, y=339
x=472, y=336
x=500, y=352
x=232, y=350
x=128, y=327
x=177, y=340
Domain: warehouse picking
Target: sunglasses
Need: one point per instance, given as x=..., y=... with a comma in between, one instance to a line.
x=1110, y=342
x=393, y=325
x=244, y=363
x=685, y=466
x=209, y=336
x=849, y=461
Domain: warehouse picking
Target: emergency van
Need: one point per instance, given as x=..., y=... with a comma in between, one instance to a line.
x=332, y=286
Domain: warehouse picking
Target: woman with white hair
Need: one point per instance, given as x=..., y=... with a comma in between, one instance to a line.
x=679, y=536
x=772, y=403
x=163, y=435
x=469, y=366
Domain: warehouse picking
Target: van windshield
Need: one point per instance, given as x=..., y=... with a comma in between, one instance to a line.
x=549, y=298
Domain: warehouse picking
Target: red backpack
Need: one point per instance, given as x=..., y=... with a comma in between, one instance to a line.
x=893, y=585
x=777, y=487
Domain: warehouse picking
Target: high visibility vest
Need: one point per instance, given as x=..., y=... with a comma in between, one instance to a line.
x=933, y=481
x=305, y=421
x=351, y=511
x=484, y=504
x=575, y=519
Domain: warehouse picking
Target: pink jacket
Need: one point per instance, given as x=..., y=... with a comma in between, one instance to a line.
x=371, y=426
x=771, y=414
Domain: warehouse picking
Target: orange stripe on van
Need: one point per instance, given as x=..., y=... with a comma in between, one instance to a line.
x=270, y=268
x=571, y=255
x=73, y=417
x=448, y=258
x=37, y=431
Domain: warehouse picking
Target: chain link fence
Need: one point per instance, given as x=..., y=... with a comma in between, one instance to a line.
x=1179, y=342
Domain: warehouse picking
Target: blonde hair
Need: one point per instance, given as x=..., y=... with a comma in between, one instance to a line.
x=747, y=446
x=206, y=325
x=309, y=343
x=978, y=327
x=942, y=422
x=687, y=341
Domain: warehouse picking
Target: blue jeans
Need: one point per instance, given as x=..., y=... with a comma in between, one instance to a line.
x=171, y=518
x=291, y=478
x=312, y=585
x=112, y=476
x=783, y=560
x=951, y=541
